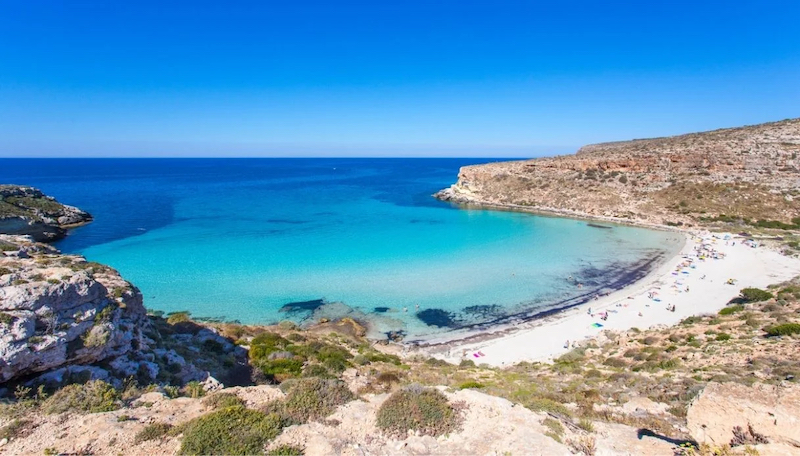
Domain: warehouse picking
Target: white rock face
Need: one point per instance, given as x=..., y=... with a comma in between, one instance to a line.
x=772, y=411
x=58, y=310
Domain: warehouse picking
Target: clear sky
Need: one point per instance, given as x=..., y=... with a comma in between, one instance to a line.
x=385, y=78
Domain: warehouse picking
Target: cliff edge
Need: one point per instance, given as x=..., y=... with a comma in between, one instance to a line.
x=749, y=173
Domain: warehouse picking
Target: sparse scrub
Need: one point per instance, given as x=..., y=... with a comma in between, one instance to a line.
x=311, y=399
x=152, y=432
x=229, y=431
x=419, y=409
x=223, y=400
x=755, y=295
x=92, y=397
x=785, y=329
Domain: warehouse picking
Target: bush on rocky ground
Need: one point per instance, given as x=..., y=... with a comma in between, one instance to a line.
x=286, y=450
x=223, y=400
x=152, y=432
x=92, y=397
x=229, y=431
x=311, y=399
x=416, y=408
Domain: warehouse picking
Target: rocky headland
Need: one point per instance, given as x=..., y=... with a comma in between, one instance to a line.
x=749, y=175
x=28, y=211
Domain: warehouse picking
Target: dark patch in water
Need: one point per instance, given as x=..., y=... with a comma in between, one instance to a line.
x=593, y=225
x=381, y=309
x=302, y=306
x=614, y=277
x=396, y=335
x=484, y=311
x=438, y=317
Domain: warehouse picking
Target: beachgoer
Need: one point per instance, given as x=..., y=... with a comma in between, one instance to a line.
x=566, y=344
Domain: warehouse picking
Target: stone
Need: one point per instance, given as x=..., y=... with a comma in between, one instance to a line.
x=771, y=410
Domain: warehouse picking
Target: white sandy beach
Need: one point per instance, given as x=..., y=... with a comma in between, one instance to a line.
x=635, y=306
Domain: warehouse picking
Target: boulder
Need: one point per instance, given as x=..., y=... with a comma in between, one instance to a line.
x=771, y=411
x=58, y=311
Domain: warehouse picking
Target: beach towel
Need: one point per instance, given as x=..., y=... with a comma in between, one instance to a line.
x=597, y=325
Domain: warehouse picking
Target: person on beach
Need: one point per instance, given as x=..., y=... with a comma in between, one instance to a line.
x=566, y=344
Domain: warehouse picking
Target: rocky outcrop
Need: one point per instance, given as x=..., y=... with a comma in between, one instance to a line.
x=64, y=319
x=749, y=172
x=58, y=310
x=28, y=211
x=726, y=413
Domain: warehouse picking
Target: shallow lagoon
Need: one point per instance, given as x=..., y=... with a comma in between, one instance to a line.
x=240, y=239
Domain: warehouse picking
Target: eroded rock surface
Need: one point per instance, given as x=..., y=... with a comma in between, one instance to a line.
x=769, y=410
x=750, y=172
x=58, y=310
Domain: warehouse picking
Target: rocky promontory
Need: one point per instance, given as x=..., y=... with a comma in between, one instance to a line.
x=750, y=174
x=28, y=211
x=62, y=317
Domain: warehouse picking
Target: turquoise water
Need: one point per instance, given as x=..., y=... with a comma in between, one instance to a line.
x=241, y=239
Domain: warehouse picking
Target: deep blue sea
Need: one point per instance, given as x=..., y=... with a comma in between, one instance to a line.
x=264, y=240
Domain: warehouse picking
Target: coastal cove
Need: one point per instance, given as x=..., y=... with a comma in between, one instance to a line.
x=261, y=241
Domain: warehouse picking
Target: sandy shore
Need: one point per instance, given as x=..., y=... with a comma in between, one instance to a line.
x=694, y=283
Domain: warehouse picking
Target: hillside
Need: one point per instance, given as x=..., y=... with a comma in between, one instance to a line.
x=748, y=176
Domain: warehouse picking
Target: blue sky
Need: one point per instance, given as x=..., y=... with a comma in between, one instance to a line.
x=429, y=78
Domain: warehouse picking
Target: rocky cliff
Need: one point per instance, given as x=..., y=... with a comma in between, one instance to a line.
x=62, y=317
x=58, y=310
x=28, y=211
x=748, y=173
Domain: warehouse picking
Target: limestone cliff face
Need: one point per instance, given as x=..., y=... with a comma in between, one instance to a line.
x=28, y=211
x=58, y=310
x=747, y=172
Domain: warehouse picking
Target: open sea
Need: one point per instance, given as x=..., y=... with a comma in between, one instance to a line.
x=264, y=240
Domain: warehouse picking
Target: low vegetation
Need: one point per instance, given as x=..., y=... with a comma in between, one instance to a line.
x=416, y=408
x=231, y=431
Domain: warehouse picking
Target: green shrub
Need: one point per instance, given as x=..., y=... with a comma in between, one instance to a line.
x=785, y=329
x=755, y=295
x=93, y=397
x=688, y=321
x=4, y=271
x=586, y=425
x=312, y=398
x=286, y=450
x=178, y=317
x=419, y=409
x=615, y=362
x=554, y=425
x=152, y=432
x=471, y=384
x=223, y=400
x=722, y=337
x=466, y=363
x=730, y=310
x=7, y=319
x=13, y=429
x=230, y=431
x=194, y=390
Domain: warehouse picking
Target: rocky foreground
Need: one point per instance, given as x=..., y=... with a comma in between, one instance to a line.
x=749, y=175
x=28, y=211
